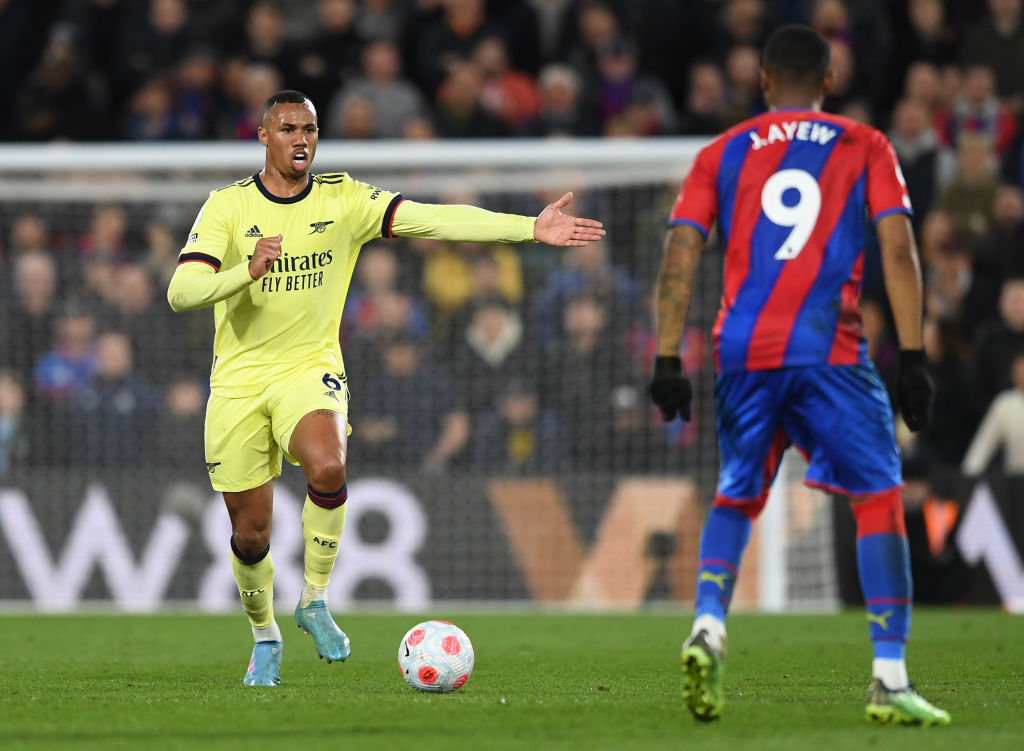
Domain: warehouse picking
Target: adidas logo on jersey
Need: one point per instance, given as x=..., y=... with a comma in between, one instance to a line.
x=253, y=231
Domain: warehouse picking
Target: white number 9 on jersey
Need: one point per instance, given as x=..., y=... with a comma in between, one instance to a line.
x=801, y=216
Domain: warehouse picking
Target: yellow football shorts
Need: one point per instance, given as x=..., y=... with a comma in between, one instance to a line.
x=246, y=437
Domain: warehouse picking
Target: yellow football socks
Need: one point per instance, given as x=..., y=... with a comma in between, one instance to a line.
x=256, y=586
x=323, y=520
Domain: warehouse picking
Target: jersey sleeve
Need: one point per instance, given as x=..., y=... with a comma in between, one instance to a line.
x=371, y=211
x=697, y=202
x=460, y=223
x=209, y=238
x=886, y=188
x=199, y=280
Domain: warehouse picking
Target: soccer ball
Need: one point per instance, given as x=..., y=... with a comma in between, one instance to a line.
x=436, y=656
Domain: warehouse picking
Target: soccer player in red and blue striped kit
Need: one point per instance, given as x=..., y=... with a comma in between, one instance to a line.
x=791, y=190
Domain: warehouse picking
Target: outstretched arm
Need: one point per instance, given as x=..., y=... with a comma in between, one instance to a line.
x=461, y=223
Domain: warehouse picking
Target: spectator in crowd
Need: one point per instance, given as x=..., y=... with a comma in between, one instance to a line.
x=517, y=436
x=384, y=19
x=256, y=83
x=508, y=94
x=394, y=100
x=636, y=443
x=586, y=269
x=740, y=22
x=486, y=350
x=597, y=26
x=927, y=166
x=105, y=237
x=864, y=29
x=1002, y=428
x=977, y=111
x=28, y=232
x=447, y=38
x=707, y=108
x=61, y=99
x=997, y=42
x=357, y=120
x=582, y=370
x=162, y=248
x=419, y=128
x=459, y=111
x=995, y=344
x=556, y=26
x=197, y=100
x=12, y=405
x=151, y=113
x=410, y=414
x=925, y=36
x=151, y=327
x=62, y=371
x=178, y=438
x=113, y=415
x=940, y=575
x=96, y=290
x=846, y=87
x=21, y=41
x=1000, y=256
x=622, y=92
x=454, y=273
x=944, y=441
x=152, y=47
x=376, y=305
x=563, y=110
x=948, y=276
x=923, y=84
x=332, y=57
x=743, y=84
x=968, y=198
x=264, y=42
x=28, y=313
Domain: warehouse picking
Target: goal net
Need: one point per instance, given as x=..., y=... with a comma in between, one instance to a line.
x=504, y=449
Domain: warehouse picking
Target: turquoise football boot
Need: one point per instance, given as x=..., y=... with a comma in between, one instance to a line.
x=265, y=664
x=315, y=619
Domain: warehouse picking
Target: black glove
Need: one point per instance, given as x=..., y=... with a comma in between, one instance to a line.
x=914, y=389
x=670, y=389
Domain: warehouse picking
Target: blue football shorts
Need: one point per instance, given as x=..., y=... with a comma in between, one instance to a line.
x=838, y=416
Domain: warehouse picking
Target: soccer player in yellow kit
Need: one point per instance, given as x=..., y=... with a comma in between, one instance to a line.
x=274, y=254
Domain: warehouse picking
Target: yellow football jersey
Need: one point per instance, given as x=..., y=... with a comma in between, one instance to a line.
x=289, y=318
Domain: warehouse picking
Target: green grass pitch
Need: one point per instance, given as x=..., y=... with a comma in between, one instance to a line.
x=542, y=681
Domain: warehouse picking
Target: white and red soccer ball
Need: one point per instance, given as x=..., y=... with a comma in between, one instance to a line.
x=436, y=656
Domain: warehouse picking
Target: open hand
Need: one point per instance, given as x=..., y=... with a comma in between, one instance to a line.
x=555, y=228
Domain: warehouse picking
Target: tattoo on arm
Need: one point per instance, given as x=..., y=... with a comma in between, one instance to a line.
x=682, y=250
x=325, y=413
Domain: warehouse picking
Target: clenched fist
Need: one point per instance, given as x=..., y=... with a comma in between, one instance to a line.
x=268, y=250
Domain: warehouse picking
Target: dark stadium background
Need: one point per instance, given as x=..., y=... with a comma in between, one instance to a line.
x=97, y=376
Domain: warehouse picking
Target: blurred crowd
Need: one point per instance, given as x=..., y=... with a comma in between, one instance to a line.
x=534, y=361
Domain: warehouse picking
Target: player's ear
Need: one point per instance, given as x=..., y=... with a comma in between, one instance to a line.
x=261, y=133
x=829, y=82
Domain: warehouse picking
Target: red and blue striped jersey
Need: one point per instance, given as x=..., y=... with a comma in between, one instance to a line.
x=790, y=189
